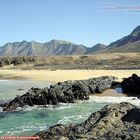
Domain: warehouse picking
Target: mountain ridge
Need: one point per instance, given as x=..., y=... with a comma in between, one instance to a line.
x=129, y=43
x=53, y=47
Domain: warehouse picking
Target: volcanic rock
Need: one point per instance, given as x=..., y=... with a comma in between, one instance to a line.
x=65, y=92
x=113, y=122
x=131, y=84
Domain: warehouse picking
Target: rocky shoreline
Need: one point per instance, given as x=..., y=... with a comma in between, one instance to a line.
x=70, y=91
x=112, y=122
x=64, y=92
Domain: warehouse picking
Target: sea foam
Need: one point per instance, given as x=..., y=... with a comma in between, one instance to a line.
x=110, y=99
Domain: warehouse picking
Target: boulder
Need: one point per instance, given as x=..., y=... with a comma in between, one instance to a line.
x=131, y=84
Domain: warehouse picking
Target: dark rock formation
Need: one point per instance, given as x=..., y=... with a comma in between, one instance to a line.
x=131, y=84
x=113, y=122
x=65, y=92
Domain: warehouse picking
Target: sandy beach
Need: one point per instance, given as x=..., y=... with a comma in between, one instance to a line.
x=110, y=92
x=63, y=75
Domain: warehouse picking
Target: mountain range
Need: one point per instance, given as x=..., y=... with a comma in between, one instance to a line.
x=130, y=43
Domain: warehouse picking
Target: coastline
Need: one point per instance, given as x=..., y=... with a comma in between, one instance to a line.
x=94, y=103
x=63, y=75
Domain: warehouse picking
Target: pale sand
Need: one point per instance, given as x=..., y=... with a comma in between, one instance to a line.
x=63, y=75
x=110, y=92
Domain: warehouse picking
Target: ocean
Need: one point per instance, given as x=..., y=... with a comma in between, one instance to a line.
x=30, y=120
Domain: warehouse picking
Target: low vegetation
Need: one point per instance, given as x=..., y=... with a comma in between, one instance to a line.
x=109, y=61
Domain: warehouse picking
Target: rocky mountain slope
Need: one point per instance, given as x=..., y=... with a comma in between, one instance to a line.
x=54, y=47
x=96, y=48
x=130, y=43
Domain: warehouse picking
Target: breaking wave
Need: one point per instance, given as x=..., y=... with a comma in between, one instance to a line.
x=110, y=99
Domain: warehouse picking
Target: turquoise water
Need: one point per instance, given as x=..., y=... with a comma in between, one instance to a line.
x=10, y=88
x=30, y=120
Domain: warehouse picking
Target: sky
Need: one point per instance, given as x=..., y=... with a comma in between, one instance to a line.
x=84, y=22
